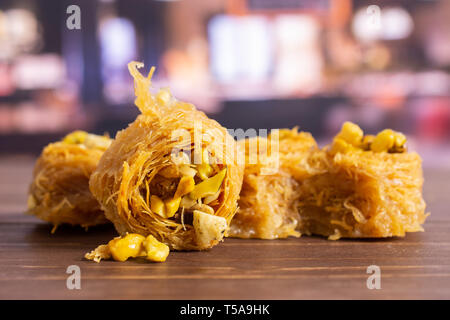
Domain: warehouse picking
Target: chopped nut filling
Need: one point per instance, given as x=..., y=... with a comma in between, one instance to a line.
x=351, y=136
x=131, y=245
x=180, y=189
x=87, y=140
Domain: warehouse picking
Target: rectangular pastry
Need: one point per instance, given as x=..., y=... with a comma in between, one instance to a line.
x=268, y=199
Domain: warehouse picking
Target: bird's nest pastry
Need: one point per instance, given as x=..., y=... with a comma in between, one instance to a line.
x=59, y=192
x=173, y=173
x=367, y=187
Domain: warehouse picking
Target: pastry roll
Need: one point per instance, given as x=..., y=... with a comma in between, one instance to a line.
x=173, y=173
x=368, y=186
x=59, y=192
x=268, y=200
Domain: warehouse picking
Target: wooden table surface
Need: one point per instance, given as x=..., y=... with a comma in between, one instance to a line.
x=33, y=262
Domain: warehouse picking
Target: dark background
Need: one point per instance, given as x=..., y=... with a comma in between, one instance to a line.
x=249, y=64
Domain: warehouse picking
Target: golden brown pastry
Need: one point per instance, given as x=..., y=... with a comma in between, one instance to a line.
x=173, y=173
x=360, y=186
x=59, y=192
x=268, y=200
x=369, y=187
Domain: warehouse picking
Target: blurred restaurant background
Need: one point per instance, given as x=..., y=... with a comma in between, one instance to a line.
x=246, y=63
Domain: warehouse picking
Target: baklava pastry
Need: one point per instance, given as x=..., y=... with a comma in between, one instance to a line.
x=369, y=187
x=59, y=192
x=173, y=173
x=269, y=195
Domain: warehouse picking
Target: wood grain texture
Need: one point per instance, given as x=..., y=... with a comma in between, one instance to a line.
x=33, y=262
